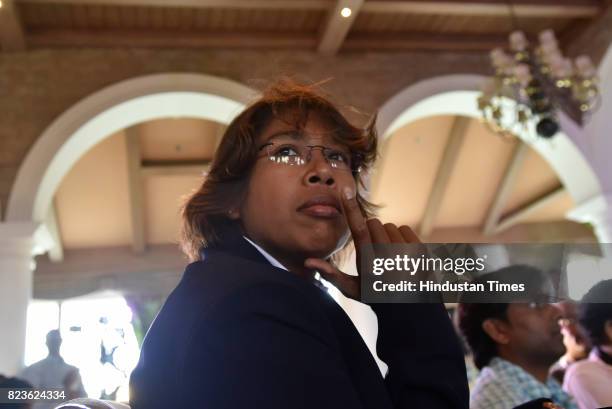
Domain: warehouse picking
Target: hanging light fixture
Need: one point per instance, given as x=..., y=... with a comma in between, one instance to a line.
x=531, y=84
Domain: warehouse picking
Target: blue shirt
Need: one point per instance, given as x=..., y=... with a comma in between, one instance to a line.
x=503, y=385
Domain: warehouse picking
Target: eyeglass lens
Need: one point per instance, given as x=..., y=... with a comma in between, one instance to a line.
x=300, y=154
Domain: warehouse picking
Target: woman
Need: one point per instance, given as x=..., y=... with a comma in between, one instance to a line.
x=248, y=325
x=590, y=380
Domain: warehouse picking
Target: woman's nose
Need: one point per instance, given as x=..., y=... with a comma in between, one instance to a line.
x=319, y=170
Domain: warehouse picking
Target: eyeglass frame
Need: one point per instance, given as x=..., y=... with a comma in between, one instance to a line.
x=544, y=301
x=352, y=157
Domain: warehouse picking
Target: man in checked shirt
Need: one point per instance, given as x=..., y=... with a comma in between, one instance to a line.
x=514, y=338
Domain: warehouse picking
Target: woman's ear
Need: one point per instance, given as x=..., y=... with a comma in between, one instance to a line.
x=496, y=330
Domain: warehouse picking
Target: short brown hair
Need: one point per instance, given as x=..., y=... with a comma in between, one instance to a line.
x=204, y=213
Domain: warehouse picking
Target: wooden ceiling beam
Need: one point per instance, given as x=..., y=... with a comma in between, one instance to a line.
x=535, y=8
x=275, y=40
x=166, y=39
x=169, y=168
x=106, y=261
x=408, y=41
x=519, y=215
x=562, y=231
x=11, y=31
x=455, y=140
x=499, y=8
x=337, y=26
x=225, y=4
x=505, y=187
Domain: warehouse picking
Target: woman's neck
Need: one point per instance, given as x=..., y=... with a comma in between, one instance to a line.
x=297, y=267
x=290, y=261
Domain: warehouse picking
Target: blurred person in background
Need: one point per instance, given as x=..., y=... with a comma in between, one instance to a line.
x=514, y=339
x=577, y=346
x=590, y=380
x=53, y=372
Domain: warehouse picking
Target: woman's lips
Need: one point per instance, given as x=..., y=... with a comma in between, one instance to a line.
x=321, y=206
x=321, y=210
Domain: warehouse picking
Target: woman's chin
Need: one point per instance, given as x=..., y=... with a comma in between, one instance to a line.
x=320, y=249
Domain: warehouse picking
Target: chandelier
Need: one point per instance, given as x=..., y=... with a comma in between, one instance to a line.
x=532, y=84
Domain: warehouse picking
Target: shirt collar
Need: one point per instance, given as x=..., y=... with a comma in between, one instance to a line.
x=526, y=382
x=232, y=240
x=267, y=255
x=316, y=281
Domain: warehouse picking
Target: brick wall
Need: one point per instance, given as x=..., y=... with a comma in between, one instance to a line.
x=37, y=86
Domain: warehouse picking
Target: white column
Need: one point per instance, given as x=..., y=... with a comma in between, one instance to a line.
x=598, y=212
x=18, y=243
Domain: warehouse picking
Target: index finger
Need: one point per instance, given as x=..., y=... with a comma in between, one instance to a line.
x=354, y=218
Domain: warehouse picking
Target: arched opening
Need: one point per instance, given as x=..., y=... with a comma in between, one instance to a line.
x=457, y=94
x=70, y=137
x=107, y=111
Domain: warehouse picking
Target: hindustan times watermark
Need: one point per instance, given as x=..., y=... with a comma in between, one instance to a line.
x=455, y=272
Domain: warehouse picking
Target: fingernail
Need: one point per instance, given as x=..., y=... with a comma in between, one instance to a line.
x=349, y=193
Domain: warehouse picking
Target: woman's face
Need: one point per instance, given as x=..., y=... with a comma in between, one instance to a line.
x=294, y=211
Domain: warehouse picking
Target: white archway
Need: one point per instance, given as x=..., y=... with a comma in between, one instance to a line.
x=457, y=95
x=107, y=111
x=598, y=144
x=598, y=129
x=96, y=117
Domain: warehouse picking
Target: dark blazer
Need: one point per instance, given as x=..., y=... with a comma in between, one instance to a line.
x=238, y=332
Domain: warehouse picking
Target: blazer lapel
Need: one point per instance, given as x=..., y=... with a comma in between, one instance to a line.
x=231, y=240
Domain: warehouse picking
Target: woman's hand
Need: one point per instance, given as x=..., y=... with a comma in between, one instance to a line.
x=364, y=232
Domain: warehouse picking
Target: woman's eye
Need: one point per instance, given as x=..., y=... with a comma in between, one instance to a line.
x=338, y=156
x=287, y=151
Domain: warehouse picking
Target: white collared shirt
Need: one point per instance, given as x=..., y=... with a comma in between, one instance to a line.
x=277, y=263
x=267, y=255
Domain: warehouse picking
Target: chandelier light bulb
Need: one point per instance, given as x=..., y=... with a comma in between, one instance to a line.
x=548, y=37
x=553, y=58
x=500, y=59
x=522, y=74
x=549, y=48
x=0, y=4
x=568, y=68
x=345, y=12
x=518, y=41
x=585, y=66
x=496, y=55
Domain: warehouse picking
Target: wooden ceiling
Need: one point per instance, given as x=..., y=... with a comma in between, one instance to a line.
x=459, y=174
x=475, y=25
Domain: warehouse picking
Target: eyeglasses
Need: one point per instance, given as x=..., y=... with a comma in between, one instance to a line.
x=542, y=301
x=296, y=154
x=567, y=322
